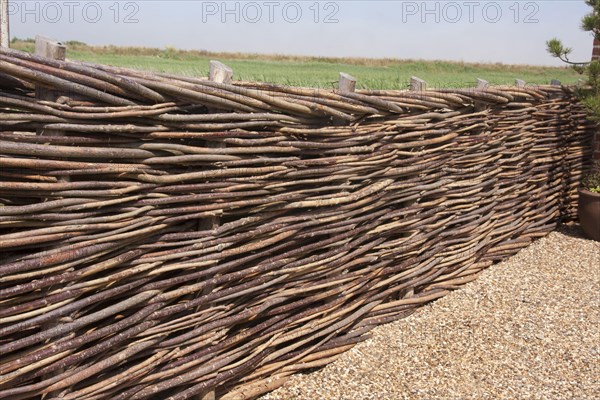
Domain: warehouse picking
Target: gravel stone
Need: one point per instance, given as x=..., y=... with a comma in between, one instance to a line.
x=528, y=328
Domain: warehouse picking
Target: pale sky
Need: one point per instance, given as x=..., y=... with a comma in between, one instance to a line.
x=510, y=32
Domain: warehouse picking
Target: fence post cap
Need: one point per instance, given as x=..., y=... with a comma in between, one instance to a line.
x=482, y=84
x=417, y=84
x=50, y=48
x=347, y=83
x=219, y=72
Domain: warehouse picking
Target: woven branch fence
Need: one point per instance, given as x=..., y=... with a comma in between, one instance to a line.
x=169, y=237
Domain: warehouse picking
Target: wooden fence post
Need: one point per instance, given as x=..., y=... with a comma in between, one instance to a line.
x=4, y=28
x=46, y=47
x=49, y=48
x=417, y=84
x=219, y=72
x=555, y=95
x=347, y=83
x=482, y=84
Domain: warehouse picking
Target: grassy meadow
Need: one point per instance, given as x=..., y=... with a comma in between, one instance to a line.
x=313, y=71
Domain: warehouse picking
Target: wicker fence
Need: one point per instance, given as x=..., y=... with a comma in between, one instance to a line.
x=166, y=237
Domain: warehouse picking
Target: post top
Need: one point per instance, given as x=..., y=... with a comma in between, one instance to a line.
x=347, y=83
x=219, y=72
x=417, y=83
x=50, y=48
x=482, y=83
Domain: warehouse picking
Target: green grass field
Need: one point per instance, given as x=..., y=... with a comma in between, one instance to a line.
x=314, y=71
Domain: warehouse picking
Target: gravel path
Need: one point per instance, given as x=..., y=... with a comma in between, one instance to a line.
x=528, y=328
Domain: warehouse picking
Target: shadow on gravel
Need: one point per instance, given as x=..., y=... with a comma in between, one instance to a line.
x=573, y=230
